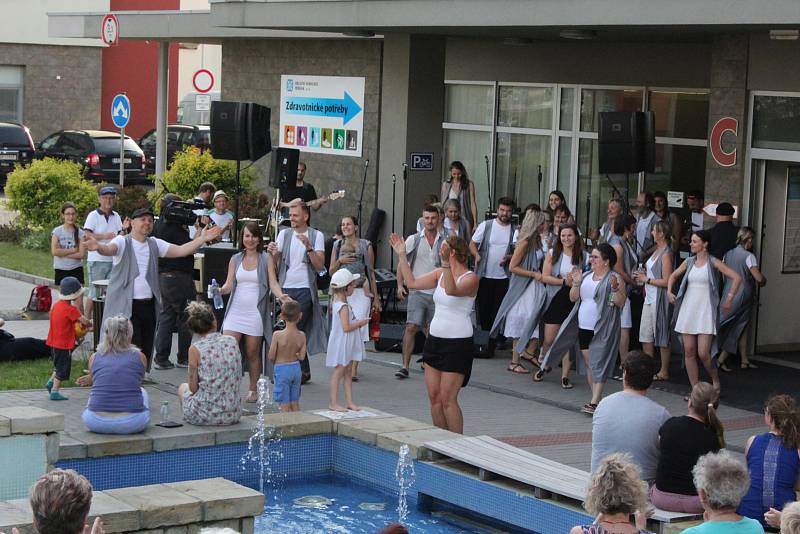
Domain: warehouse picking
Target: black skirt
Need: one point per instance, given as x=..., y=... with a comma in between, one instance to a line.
x=559, y=307
x=449, y=355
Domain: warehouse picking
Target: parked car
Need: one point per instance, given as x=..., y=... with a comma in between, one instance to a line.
x=16, y=146
x=99, y=152
x=179, y=136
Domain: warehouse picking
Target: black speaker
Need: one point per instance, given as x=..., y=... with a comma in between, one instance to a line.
x=215, y=263
x=284, y=168
x=374, y=228
x=391, y=339
x=626, y=142
x=239, y=130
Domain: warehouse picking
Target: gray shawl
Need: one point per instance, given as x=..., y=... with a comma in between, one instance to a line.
x=647, y=246
x=264, y=305
x=733, y=323
x=604, y=346
x=713, y=294
x=662, y=329
x=119, y=298
x=317, y=335
x=483, y=248
x=516, y=288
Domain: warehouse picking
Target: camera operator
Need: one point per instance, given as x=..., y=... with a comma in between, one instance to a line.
x=203, y=198
x=177, y=289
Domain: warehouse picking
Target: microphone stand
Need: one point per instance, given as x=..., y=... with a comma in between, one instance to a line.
x=394, y=185
x=405, y=197
x=361, y=198
x=586, y=224
x=539, y=177
x=489, y=186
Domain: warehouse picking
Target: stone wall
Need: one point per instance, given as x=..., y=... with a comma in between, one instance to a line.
x=51, y=104
x=252, y=69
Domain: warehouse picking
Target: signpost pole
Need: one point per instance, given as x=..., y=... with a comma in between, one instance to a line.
x=122, y=157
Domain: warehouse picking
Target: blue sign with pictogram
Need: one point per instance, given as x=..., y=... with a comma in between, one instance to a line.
x=422, y=161
x=120, y=111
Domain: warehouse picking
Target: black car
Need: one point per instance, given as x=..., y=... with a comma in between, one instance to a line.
x=98, y=151
x=16, y=146
x=179, y=136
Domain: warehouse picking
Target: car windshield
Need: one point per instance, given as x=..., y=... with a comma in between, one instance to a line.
x=110, y=145
x=13, y=136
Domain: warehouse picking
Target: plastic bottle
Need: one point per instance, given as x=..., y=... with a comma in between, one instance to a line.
x=164, y=412
x=216, y=296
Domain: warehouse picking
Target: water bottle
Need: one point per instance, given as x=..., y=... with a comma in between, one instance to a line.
x=216, y=296
x=164, y=412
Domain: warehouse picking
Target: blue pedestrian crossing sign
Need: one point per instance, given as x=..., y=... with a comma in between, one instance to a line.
x=120, y=111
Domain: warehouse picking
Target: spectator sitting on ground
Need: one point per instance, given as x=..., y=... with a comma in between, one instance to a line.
x=20, y=348
x=60, y=501
x=627, y=421
x=118, y=404
x=721, y=481
x=773, y=460
x=211, y=397
x=682, y=440
x=616, y=491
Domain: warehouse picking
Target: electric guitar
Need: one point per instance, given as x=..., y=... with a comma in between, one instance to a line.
x=277, y=217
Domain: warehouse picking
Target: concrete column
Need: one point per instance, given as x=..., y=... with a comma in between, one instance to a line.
x=161, y=108
x=729, y=59
x=412, y=112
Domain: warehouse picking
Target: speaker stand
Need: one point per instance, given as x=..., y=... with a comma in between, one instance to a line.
x=361, y=199
x=237, y=190
x=394, y=187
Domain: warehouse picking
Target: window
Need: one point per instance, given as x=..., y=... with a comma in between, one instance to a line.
x=594, y=101
x=469, y=104
x=680, y=114
x=11, y=78
x=776, y=122
x=469, y=148
x=791, y=231
x=50, y=143
x=522, y=163
x=525, y=107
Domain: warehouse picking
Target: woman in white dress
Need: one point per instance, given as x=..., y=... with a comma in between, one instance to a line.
x=246, y=314
x=697, y=305
x=447, y=356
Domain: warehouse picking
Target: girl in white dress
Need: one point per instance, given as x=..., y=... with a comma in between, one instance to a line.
x=344, y=343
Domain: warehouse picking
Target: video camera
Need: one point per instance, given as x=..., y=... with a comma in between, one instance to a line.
x=182, y=211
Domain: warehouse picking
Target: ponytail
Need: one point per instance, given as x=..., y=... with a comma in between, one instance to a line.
x=785, y=416
x=705, y=402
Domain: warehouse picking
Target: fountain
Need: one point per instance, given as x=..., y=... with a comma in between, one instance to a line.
x=262, y=445
x=405, y=475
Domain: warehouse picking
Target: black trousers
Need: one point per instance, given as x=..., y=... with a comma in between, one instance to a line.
x=303, y=298
x=490, y=295
x=177, y=290
x=143, y=318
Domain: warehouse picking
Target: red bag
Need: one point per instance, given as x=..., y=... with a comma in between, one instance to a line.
x=41, y=299
x=375, y=326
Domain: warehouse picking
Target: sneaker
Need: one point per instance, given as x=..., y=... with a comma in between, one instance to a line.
x=49, y=385
x=163, y=366
x=401, y=373
x=148, y=379
x=589, y=408
x=57, y=396
x=305, y=378
x=182, y=365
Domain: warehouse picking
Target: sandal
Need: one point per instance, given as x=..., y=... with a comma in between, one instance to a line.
x=539, y=376
x=517, y=368
x=565, y=383
x=749, y=365
x=589, y=408
x=658, y=378
x=251, y=397
x=724, y=368
x=530, y=358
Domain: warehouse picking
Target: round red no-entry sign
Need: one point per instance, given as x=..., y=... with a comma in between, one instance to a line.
x=203, y=81
x=109, y=30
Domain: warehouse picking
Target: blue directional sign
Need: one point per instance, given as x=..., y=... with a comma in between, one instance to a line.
x=346, y=108
x=120, y=111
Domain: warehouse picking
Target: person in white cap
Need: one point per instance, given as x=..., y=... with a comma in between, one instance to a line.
x=344, y=343
x=221, y=215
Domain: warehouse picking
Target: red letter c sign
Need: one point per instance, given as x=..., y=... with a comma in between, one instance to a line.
x=723, y=158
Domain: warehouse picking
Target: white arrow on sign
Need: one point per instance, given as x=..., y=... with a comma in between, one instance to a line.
x=121, y=110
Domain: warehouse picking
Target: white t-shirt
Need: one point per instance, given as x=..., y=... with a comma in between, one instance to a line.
x=641, y=229
x=588, y=314
x=750, y=261
x=141, y=289
x=297, y=274
x=498, y=246
x=424, y=260
x=221, y=219
x=97, y=223
x=650, y=291
x=565, y=265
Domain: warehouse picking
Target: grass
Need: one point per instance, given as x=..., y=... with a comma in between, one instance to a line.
x=32, y=374
x=36, y=262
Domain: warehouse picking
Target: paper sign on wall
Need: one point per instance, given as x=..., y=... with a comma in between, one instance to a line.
x=322, y=114
x=675, y=199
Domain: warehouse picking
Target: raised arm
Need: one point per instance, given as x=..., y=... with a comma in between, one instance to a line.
x=426, y=281
x=467, y=286
x=104, y=249
x=187, y=249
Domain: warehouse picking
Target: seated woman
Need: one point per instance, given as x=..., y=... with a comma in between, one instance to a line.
x=118, y=404
x=682, y=440
x=721, y=481
x=215, y=372
x=773, y=460
x=616, y=491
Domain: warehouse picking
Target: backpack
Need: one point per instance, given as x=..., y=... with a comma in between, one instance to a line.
x=41, y=299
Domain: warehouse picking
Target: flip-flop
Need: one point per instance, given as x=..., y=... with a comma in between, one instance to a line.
x=517, y=368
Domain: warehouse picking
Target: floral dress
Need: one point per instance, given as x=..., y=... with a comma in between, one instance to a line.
x=217, y=400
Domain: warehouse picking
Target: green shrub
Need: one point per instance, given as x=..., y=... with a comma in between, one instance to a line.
x=190, y=169
x=253, y=206
x=13, y=233
x=39, y=240
x=131, y=198
x=38, y=190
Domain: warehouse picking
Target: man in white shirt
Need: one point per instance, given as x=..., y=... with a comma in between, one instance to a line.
x=645, y=221
x=422, y=253
x=103, y=224
x=298, y=255
x=221, y=215
x=133, y=288
x=491, y=246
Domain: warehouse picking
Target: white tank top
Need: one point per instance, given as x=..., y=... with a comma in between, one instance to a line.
x=452, y=315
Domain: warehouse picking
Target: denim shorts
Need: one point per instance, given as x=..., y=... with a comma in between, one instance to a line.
x=98, y=270
x=287, y=382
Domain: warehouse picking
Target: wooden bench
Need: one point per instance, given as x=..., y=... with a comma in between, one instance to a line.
x=549, y=479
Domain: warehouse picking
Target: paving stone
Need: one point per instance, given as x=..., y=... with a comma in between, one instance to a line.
x=185, y=437
x=248, y=525
x=296, y=424
x=228, y=523
x=70, y=448
x=222, y=499
x=415, y=439
x=368, y=428
x=32, y=420
x=113, y=445
x=5, y=426
x=160, y=505
x=117, y=515
x=16, y=513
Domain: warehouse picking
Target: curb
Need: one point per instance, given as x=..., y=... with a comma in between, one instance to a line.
x=25, y=277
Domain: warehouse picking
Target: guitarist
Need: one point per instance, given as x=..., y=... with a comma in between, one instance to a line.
x=302, y=191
